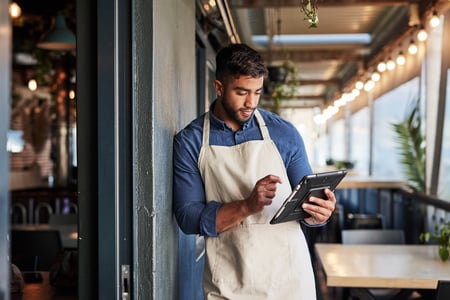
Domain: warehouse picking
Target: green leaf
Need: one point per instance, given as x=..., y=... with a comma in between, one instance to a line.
x=443, y=253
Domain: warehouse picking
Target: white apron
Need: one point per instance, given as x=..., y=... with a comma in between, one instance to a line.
x=253, y=260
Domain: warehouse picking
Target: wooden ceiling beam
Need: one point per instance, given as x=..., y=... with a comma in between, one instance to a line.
x=335, y=82
x=312, y=56
x=322, y=3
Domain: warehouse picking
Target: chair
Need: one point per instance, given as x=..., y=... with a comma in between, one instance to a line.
x=34, y=250
x=443, y=290
x=365, y=221
x=375, y=236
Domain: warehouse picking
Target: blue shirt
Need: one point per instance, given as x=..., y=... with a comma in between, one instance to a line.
x=193, y=214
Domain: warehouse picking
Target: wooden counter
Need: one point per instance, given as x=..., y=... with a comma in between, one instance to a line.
x=357, y=182
x=382, y=266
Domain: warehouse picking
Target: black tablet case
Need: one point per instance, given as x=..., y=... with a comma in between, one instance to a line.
x=310, y=185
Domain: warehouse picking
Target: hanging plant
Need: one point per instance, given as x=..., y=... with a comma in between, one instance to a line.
x=281, y=89
x=310, y=8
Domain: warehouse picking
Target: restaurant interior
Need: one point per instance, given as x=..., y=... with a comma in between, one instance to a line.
x=332, y=65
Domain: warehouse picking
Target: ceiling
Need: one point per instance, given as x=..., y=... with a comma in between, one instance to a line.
x=324, y=68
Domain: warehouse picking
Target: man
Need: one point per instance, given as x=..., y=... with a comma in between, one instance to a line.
x=233, y=167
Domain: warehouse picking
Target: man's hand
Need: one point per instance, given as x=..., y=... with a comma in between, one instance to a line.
x=262, y=194
x=231, y=214
x=321, y=210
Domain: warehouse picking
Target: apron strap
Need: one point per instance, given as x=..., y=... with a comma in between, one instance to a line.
x=262, y=125
x=205, y=140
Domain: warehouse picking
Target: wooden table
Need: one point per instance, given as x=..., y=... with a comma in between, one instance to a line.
x=69, y=233
x=382, y=266
x=369, y=182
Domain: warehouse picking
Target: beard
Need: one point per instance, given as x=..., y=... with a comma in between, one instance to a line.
x=234, y=114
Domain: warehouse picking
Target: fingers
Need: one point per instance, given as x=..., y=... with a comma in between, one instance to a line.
x=269, y=179
x=262, y=194
x=320, y=209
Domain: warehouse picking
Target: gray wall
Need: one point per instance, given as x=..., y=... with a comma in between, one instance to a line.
x=164, y=41
x=5, y=101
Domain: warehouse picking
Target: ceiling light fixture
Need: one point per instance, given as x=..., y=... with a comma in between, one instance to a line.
x=422, y=35
x=412, y=48
x=390, y=65
x=375, y=76
x=401, y=60
x=58, y=38
x=14, y=10
x=381, y=67
x=32, y=85
x=435, y=20
x=359, y=85
x=369, y=85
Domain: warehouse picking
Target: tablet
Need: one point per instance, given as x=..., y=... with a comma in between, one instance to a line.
x=310, y=185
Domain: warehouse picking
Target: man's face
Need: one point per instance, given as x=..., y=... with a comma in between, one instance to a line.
x=239, y=98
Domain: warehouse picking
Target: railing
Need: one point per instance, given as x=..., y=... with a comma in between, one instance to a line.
x=399, y=209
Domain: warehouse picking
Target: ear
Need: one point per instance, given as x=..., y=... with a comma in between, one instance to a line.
x=218, y=86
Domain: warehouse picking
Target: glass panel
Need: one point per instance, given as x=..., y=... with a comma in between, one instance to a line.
x=386, y=159
x=337, y=140
x=360, y=141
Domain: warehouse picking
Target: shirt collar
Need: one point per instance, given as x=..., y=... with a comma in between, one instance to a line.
x=216, y=122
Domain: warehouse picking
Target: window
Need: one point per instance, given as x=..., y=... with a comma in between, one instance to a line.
x=360, y=141
x=390, y=108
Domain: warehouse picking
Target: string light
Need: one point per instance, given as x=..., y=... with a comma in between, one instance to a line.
x=14, y=10
x=32, y=85
x=412, y=48
x=359, y=85
x=381, y=67
x=434, y=20
x=390, y=65
x=375, y=76
x=401, y=60
x=422, y=35
x=369, y=85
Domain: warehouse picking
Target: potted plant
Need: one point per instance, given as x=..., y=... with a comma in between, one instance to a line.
x=411, y=147
x=441, y=236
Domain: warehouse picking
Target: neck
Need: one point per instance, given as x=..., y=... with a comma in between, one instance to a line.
x=220, y=113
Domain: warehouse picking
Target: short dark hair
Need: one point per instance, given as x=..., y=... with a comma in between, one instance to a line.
x=239, y=59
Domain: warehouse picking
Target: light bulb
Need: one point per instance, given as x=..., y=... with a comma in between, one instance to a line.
x=359, y=85
x=32, y=85
x=375, y=76
x=412, y=49
x=14, y=10
x=381, y=66
x=434, y=20
x=401, y=58
x=422, y=35
x=390, y=65
x=369, y=85
x=356, y=92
